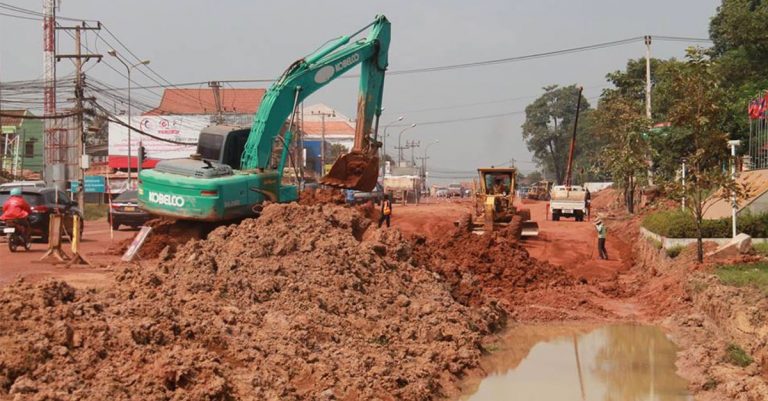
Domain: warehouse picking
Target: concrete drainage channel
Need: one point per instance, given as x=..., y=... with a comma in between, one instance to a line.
x=622, y=362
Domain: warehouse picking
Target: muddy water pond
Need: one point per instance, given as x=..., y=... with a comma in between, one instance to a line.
x=562, y=363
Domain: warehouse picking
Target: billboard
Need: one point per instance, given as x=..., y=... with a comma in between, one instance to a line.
x=178, y=128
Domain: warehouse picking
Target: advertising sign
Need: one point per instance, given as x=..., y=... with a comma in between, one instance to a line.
x=178, y=128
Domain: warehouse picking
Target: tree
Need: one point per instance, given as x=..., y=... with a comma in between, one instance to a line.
x=739, y=32
x=534, y=176
x=334, y=151
x=620, y=121
x=699, y=111
x=548, y=127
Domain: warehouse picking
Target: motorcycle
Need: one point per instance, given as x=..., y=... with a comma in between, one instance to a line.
x=15, y=239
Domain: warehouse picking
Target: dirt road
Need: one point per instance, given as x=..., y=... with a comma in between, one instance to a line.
x=96, y=240
x=432, y=218
x=573, y=245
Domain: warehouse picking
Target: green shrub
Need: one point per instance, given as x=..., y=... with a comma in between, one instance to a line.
x=674, y=251
x=679, y=224
x=737, y=356
x=761, y=248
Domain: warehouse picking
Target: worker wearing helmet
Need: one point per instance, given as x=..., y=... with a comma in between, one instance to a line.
x=602, y=232
x=16, y=211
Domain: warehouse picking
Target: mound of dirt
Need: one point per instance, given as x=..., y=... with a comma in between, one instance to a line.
x=314, y=196
x=165, y=233
x=494, y=267
x=301, y=303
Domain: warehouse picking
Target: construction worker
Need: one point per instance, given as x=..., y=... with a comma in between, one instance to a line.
x=16, y=211
x=386, y=210
x=498, y=187
x=602, y=231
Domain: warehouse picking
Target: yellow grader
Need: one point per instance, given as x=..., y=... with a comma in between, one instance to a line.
x=494, y=205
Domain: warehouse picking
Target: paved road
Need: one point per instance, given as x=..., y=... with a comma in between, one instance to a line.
x=96, y=241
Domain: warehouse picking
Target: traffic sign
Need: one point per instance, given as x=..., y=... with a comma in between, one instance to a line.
x=95, y=183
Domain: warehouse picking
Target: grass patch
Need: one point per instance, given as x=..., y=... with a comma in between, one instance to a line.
x=745, y=275
x=95, y=211
x=672, y=252
x=656, y=243
x=761, y=248
x=737, y=356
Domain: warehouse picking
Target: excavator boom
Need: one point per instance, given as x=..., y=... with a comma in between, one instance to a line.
x=359, y=168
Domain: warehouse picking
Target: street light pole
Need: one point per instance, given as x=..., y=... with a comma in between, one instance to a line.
x=129, y=68
x=683, y=202
x=399, y=144
x=384, y=146
x=733, y=144
x=426, y=148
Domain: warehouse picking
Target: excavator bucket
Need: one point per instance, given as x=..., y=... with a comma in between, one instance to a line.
x=354, y=170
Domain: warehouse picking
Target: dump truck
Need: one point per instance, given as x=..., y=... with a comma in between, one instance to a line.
x=540, y=190
x=494, y=207
x=403, y=188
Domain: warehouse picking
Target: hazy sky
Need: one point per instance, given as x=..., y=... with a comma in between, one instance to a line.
x=195, y=40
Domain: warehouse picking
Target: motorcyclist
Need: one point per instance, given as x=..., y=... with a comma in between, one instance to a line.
x=16, y=211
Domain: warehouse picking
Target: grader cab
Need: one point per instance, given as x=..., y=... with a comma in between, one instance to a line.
x=494, y=205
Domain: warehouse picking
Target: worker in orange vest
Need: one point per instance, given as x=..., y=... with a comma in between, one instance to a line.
x=386, y=210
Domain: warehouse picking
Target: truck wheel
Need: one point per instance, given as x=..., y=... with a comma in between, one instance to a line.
x=556, y=215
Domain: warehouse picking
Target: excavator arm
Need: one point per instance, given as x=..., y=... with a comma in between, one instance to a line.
x=359, y=168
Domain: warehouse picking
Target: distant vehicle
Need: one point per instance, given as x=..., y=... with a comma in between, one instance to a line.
x=359, y=197
x=45, y=202
x=568, y=201
x=455, y=190
x=125, y=211
x=441, y=192
x=22, y=185
x=523, y=192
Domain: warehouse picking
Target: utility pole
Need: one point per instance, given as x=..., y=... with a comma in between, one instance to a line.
x=78, y=58
x=413, y=145
x=322, y=135
x=51, y=156
x=216, y=85
x=648, y=113
x=648, y=76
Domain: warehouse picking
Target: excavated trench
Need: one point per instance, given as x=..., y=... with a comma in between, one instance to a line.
x=571, y=362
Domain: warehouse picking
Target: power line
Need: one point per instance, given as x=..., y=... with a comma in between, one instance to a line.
x=513, y=59
x=39, y=15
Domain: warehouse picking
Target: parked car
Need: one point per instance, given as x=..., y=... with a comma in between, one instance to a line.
x=125, y=211
x=358, y=197
x=45, y=202
x=22, y=185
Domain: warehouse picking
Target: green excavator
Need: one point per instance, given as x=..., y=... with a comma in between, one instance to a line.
x=235, y=170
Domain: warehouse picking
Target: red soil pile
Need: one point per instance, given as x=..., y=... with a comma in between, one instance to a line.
x=165, y=233
x=494, y=267
x=290, y=306
x=314, y=196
